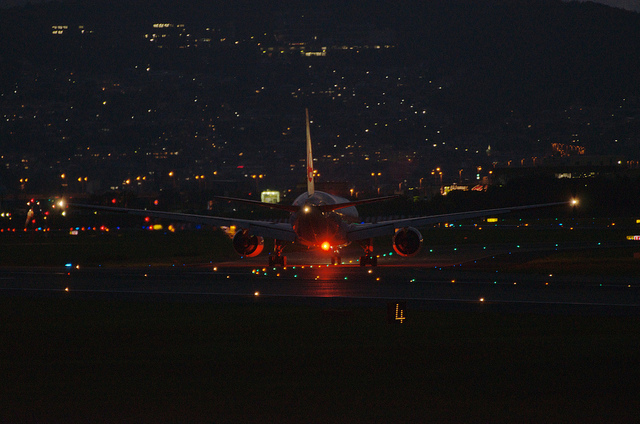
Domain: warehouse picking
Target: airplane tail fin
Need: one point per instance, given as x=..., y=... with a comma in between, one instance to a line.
x=30, y=215
x=310, y=185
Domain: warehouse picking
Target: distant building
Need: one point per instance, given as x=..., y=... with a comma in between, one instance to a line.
x=575, y=166
x=67, y=30
x=270, y=196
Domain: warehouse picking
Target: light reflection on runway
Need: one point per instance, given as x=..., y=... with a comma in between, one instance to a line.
x=343, y=285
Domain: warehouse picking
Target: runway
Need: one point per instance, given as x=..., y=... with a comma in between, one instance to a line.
x=422, y=284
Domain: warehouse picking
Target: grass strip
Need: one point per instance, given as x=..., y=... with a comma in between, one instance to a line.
x=66, y=360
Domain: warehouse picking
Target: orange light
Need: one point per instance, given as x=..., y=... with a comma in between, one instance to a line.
x=326, y=246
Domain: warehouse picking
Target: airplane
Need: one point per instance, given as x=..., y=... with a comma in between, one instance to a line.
x=321, y=220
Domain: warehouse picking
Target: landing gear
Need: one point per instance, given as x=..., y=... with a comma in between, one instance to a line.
x=368, y=258
x=336, y=260
x=277, y=258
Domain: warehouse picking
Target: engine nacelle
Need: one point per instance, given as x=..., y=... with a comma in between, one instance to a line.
x=247, y=244
x=407, y=241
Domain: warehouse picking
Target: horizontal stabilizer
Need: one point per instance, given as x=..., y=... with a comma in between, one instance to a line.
x=288, y=208
x=329, y=208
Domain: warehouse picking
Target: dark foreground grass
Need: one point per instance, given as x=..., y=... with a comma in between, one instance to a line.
x=65, y=360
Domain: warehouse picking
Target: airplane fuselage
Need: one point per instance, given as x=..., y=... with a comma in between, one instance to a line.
x=324, y=229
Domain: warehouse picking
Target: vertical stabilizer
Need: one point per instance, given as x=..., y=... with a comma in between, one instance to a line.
x=310, y=188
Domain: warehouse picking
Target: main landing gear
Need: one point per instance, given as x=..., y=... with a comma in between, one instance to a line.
x=368, y=258
x=277, y=258
x=336, y=259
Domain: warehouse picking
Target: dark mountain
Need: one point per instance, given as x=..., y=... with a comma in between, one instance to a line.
x=535, y=52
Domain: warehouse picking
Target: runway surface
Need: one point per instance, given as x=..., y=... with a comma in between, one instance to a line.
x=441, y=282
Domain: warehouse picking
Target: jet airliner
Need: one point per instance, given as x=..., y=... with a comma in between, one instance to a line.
x=321, y=220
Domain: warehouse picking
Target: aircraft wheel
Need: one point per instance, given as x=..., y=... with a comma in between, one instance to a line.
x=368, y=260
x=278, y=260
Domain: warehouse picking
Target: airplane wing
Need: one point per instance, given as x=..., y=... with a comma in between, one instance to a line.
x=259, y=228
x=364, y=231
x=292, y=208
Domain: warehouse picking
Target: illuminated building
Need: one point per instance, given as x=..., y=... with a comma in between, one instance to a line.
x=270, y=196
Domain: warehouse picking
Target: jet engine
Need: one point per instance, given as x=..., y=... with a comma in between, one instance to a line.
x=247, y=244
x=407, y=241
